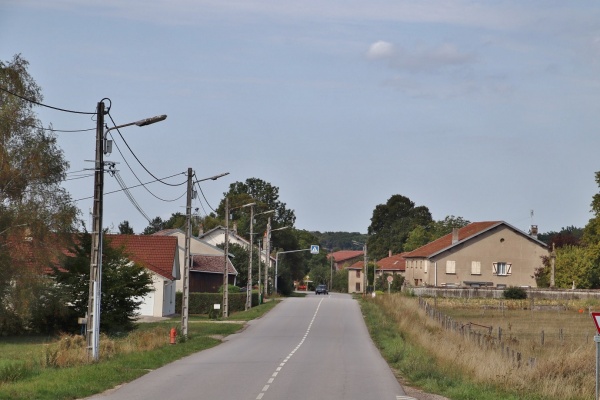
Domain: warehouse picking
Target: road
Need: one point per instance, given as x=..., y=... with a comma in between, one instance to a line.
x=316, y=347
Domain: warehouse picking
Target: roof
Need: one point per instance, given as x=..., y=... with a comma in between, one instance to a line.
x=212, y=264
x=157, y=253
x=232, y=234
x=168, y=232
x=344, y=255
x=397, y=262
x=464, y=234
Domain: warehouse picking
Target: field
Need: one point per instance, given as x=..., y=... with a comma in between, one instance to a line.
x=490, y=349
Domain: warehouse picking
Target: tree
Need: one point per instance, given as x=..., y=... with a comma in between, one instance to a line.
x=32, y=202
x=566, y=236
x=125, y=228
x=391, y=224
x=421, y=235
x=123, y=285
x=154, y=226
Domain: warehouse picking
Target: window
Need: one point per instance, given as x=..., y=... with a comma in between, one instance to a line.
x=475, y=267
x=450, y=267
x=358, y=273
x=425, y=268
x=358, y=286
x=501, y=268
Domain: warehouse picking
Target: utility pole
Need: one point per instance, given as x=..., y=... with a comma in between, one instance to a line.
x=267, y=247
x=93, y=314
x=366, y=270
x=249, y=285
x=225, y=277
x=552, y=266
x=185, y=300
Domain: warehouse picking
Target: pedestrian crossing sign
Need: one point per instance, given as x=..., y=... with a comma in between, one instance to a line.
x=314, y=249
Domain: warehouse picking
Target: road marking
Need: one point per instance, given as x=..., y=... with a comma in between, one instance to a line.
x=278, y=369
x=405, y=398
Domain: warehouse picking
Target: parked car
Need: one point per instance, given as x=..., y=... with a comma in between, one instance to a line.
x=321, y=289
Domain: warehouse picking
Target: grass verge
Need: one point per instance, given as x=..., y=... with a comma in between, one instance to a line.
x=401, y=332
x=44, y=369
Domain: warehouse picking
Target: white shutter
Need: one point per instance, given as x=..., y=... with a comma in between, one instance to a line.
x=475, y=267
x=450, y=267
x=495, y=268
x=508, y=269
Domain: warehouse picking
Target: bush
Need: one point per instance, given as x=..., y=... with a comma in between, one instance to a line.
x=515, y=293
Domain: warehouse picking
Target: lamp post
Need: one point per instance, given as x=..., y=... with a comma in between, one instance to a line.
x=268, y=247
x=95, y=285
x=364, y=245
x=225, y=270
x=249, y=286
x=187, y=262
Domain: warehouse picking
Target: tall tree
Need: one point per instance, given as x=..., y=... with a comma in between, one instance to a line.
x=125, y=228
x=391, y=224
x=32, y=202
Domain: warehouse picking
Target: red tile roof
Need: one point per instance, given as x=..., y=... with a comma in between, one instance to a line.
x=157, y=253
x=445, y=242
x=213, y=264
x=343, y=255
x=396, y=262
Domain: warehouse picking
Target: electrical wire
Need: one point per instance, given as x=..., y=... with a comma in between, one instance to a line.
x=79, y=177
x=45, y=105
x=207, y=203
x=138, y=179
x=129, y=187
x=138, y=160
x=121, y=183
x=56, y=130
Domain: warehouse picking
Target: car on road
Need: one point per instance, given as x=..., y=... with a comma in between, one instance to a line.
x=321, y=289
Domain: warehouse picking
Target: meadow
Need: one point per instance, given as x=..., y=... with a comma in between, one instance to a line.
x=486, y=348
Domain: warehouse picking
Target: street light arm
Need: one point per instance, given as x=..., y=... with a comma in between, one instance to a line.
x=212, y=178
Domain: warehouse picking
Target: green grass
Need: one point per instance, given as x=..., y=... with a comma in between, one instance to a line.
x=23, y=377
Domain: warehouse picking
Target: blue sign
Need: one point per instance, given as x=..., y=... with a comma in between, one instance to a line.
x=314, y=249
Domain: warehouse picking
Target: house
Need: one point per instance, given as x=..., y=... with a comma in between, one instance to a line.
x=216, y=236
x=206, y=273
x=160, y=255
x=489, y=253
x=356, y=277
x=393, y=264
x=197, y=246
x=345, y=258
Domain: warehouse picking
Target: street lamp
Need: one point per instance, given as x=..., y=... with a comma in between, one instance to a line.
x=364, y=245
x=225, y=270
x=95, y=285
x=249, y=285
x=187, y=263
x=268, y=254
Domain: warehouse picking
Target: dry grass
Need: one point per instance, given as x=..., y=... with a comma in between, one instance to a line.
x=70, y=350
x=564, y=366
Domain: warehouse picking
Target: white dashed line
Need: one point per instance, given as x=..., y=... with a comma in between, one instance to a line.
x=278, y=369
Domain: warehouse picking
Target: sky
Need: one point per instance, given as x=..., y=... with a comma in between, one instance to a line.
x=485, y=110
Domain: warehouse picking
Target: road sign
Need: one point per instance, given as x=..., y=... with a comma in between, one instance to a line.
x=596, y=317
x=390, y=279
x=314, y=249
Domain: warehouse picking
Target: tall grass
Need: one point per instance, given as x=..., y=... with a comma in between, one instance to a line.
x=560, y=372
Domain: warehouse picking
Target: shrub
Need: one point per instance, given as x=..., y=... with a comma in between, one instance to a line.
x=515, y=293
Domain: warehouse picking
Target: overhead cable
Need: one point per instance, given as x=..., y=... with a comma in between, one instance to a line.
x=45, y=105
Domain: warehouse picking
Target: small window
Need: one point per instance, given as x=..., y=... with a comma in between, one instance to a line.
x=450, y=267
x=502, y=268
x=358, y=286
x=475, y=267
x=358, y=273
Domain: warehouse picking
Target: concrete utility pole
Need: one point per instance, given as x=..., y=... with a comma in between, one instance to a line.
x=225, y=277
x=267, y=248
x=185, y=300
x=93, y=315
x=552, y=266
x=249, y=285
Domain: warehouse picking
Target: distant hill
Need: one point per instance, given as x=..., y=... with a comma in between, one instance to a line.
x=335, y=241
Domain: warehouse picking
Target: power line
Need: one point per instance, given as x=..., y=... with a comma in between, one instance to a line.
x=130, y=187
x=121, y=183
x=207, y=203
x=45, y=105
x=55, y=130
x=138, y=160
x=138, y=179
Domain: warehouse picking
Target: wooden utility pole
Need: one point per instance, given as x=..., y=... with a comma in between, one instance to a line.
x=93, y=314
x=185, y=300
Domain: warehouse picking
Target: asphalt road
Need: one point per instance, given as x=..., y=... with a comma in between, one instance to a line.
x=315, y=347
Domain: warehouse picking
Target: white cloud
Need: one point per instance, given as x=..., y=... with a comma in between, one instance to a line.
x=380, y=49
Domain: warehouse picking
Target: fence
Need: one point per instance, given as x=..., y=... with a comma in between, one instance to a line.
x=497, y=293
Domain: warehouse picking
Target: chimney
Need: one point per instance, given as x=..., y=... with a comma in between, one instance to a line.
x=389, y=253
x=533, y=231
x=454, y=235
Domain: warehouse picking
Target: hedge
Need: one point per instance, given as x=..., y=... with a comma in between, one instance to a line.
x=203, y=303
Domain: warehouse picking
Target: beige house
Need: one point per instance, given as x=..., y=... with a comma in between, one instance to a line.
x=481, y=254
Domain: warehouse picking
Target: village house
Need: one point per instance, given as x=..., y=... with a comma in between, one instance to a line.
x=481, y=254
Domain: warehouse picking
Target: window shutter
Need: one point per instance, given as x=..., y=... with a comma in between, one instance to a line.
x=495, y=268
x=508, y=269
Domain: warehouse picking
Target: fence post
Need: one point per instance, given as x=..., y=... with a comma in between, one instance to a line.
x=542, y=337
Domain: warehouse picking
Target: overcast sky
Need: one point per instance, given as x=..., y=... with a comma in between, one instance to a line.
x=478, y=109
